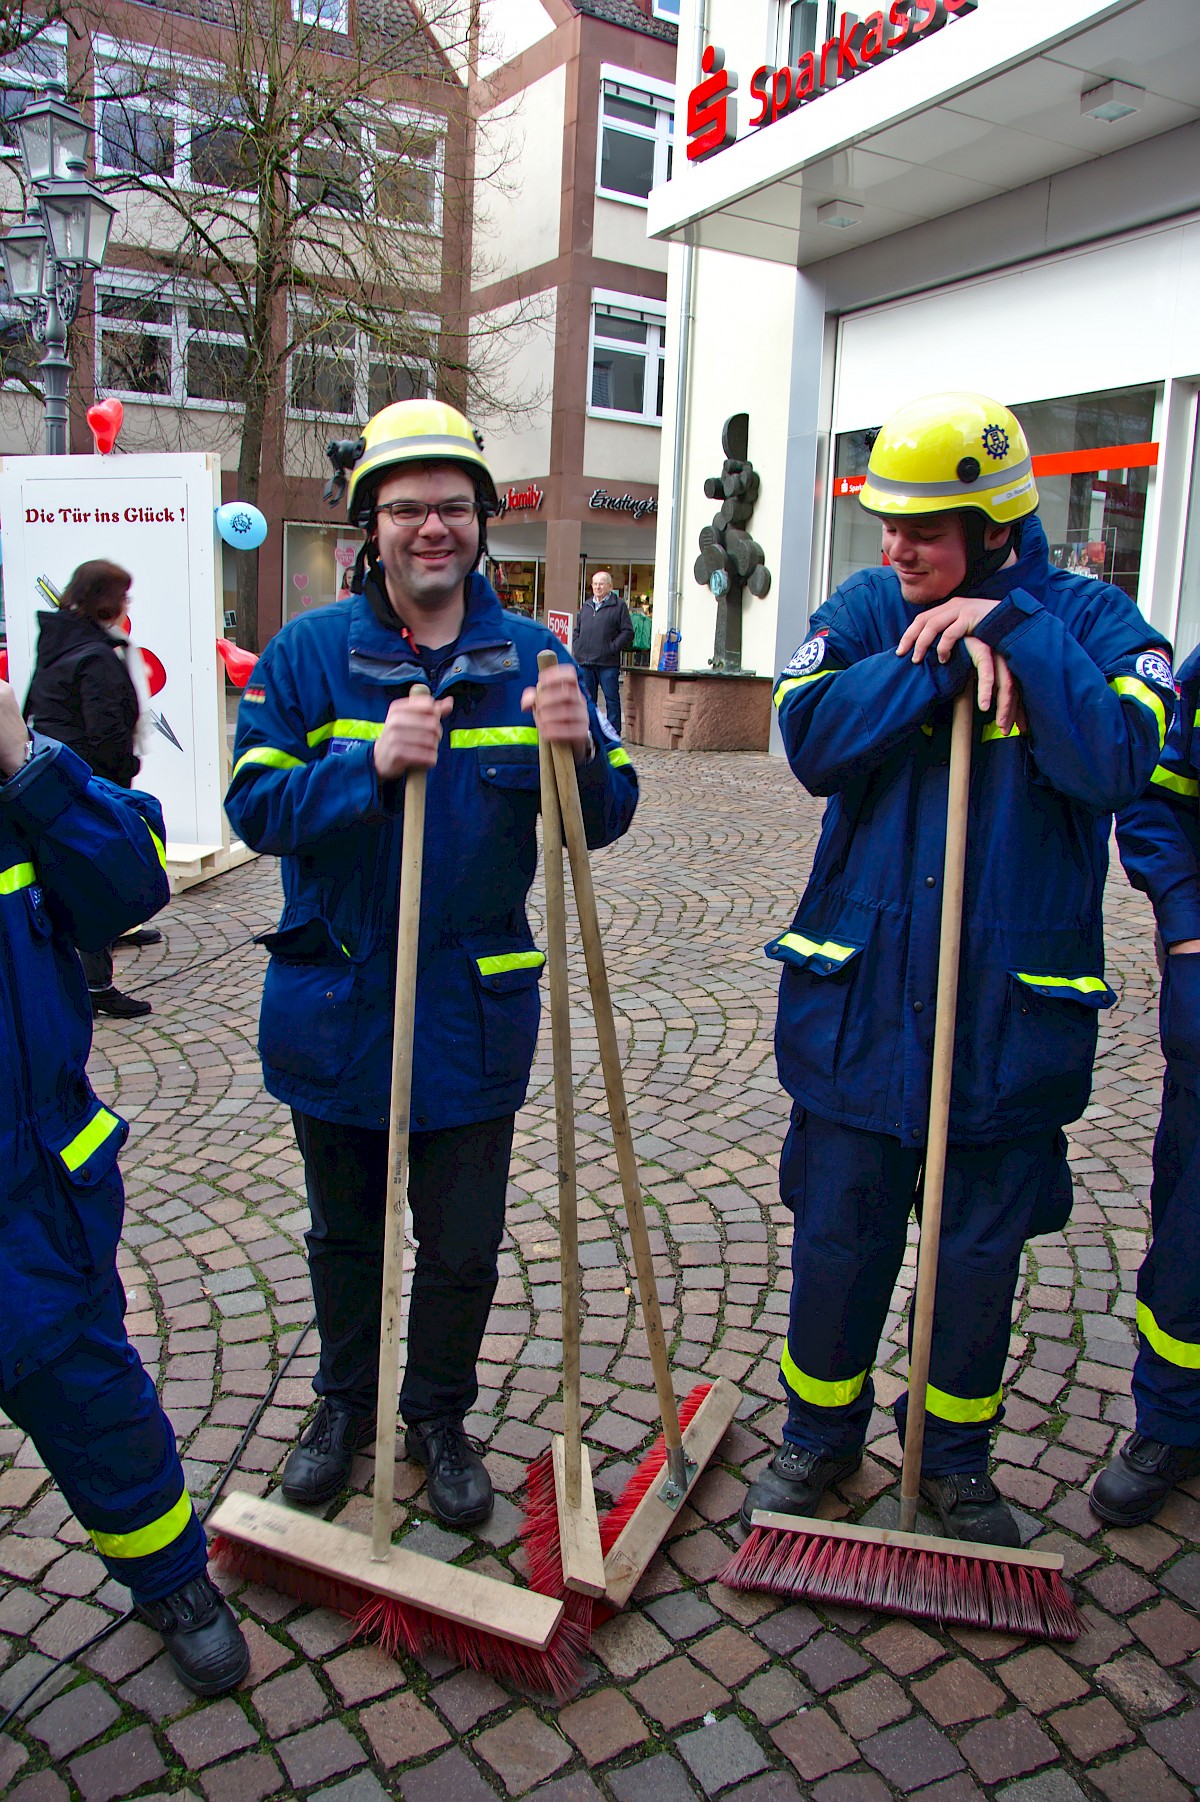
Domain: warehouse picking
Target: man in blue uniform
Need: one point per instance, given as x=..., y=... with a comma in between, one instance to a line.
x=80, y=862
x=326, y=733
x=1073, y=693
x=1159, y=840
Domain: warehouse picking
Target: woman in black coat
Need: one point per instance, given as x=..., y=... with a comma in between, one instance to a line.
x=84, y=694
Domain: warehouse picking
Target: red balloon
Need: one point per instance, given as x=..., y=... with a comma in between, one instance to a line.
x=239, y=663
x=106, y=419
x=156, y=675
x=3, y=666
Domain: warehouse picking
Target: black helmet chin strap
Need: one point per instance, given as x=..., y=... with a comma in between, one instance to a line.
x=982, y=562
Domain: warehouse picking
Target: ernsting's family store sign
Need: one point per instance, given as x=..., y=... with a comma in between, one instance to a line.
x=859, y=45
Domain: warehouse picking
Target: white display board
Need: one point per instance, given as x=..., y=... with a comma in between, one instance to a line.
x=153, y=515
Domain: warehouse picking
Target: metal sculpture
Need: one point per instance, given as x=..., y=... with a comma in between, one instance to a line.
x=730, y=560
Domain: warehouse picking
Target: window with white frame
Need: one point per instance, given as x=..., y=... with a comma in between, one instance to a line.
x=137, y=126
x=637, y=126
x=667, y=9
x=155, y=343
x=392, y=170
x=330, y=15
x=150, y=123
x=343, y=372
x=628, y=358
x=23, y=75
x=804, y=25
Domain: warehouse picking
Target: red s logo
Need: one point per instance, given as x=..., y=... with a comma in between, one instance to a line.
x=712, y=111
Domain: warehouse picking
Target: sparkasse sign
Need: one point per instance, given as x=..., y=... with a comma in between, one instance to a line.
x=858, y=45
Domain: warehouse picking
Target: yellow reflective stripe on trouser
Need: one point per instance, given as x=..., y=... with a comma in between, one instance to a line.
x=619, y=757
x=812, y=1389
x=1179, y=785
x=1085, y=985
x=796, y=941
x=17, y=876
x=364, y=729
x=960, y=1408
x=271, y=756
x=159, y=847
x=1171, y=1350
x=100, y=1127
x=476, y=737
x=510, y=960
x=145, y=1540
x=785, y=687
x=1129, y=688
x=992, y=733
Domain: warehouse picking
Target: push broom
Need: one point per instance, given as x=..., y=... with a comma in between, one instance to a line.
x=904, y=1572
x=634, y=1528
x=408, y=1601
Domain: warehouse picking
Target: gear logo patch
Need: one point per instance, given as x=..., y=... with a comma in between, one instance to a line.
x=1152, y=666
x=995, y=442
x=810, y=656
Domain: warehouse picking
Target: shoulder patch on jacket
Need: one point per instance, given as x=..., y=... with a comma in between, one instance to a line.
x=1152, y=666
x=810, y=656
x=254, y=694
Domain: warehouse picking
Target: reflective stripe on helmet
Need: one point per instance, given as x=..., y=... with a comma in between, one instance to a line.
x=953, y=490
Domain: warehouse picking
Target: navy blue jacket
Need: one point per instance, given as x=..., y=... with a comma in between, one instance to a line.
x=80, y=862
x=1159, y=834
x=854, y=1037
x=304, y=788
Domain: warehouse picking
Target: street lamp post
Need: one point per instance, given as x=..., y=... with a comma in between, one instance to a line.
x=46, y=258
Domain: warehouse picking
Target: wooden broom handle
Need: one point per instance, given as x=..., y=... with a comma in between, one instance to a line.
x=412, y=853
x=614, y=1083
x=564, y=1110
x=958, y=797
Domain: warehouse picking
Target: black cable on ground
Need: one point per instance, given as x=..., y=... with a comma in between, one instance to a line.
x=131, y=1613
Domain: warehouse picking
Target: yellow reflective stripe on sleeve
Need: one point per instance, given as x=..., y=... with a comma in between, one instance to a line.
x=960, y=1408
x=511, y=960
x=1179, y=785
x=476, y=737
x=796, y=941
x=270, y=756
x=159, y=847
x=145, y=1540
x=992, y=734
x=812, y=1389
x=619, y=757
x=1174, y=1351
x=1129, y=688
x=99, y=1128
x=362, y=729
x=1085, y=985
x=17, y=876
x=785, y=688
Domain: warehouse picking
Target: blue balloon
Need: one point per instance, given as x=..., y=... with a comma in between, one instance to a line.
x=241, y=525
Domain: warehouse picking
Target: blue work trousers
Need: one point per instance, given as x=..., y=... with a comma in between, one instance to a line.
x=851, y=1194
x=605, y=676
x=100, y=1430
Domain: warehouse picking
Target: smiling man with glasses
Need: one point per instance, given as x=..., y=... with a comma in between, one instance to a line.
x=326, y=735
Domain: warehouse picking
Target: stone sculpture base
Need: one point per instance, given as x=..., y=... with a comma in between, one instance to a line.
x=696, y=710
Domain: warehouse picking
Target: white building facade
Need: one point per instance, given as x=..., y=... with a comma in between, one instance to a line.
x=992, y=194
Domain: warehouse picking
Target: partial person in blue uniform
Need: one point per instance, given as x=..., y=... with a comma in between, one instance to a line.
x=327, y=731
x=81, y=861
x=1159, y=841
x=1073, y=695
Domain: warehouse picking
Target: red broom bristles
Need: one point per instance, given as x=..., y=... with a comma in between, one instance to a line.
x=645, y=1476
x=955, y=1589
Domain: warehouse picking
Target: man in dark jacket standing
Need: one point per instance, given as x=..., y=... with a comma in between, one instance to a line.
x=326, y=734
x=603, y=629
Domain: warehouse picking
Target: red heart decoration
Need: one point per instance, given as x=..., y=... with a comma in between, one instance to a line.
x=156, y=675
x=106, y=419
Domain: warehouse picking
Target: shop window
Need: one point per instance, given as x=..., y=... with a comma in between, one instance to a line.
x=1187, y=623
x=1091, y=505
x=637, y=127
x=318, y=561
x=628, y=361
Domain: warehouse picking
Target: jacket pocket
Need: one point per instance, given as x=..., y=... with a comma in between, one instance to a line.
x=509, y=1003
x=813, y=994
x=1048, y=1042
x=310, y=1005
x=513, y=767
x=84, y=1154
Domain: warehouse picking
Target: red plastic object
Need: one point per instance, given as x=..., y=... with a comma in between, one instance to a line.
x=3, y=666
x=156, y=675
x=106, y=419
x=240, y=664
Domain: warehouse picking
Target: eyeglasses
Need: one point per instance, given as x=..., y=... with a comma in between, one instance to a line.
x=415, y=513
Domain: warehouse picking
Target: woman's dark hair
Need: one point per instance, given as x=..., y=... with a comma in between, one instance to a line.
x=97, y=590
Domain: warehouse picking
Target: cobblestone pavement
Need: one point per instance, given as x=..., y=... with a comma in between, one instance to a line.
x=695, y=1691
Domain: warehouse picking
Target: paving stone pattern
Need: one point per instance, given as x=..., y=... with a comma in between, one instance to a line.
x=695, y=1691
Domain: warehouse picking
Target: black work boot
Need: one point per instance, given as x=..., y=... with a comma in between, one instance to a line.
x=460, y=1490
x=203, y=1640
x=795, y=1480
x=141, y=935
x=121, y=1007
x=320, y=1464
x=972, y=1508
x=1140, y=1478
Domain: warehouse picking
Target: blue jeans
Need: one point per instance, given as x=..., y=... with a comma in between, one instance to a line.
x=608, y=677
